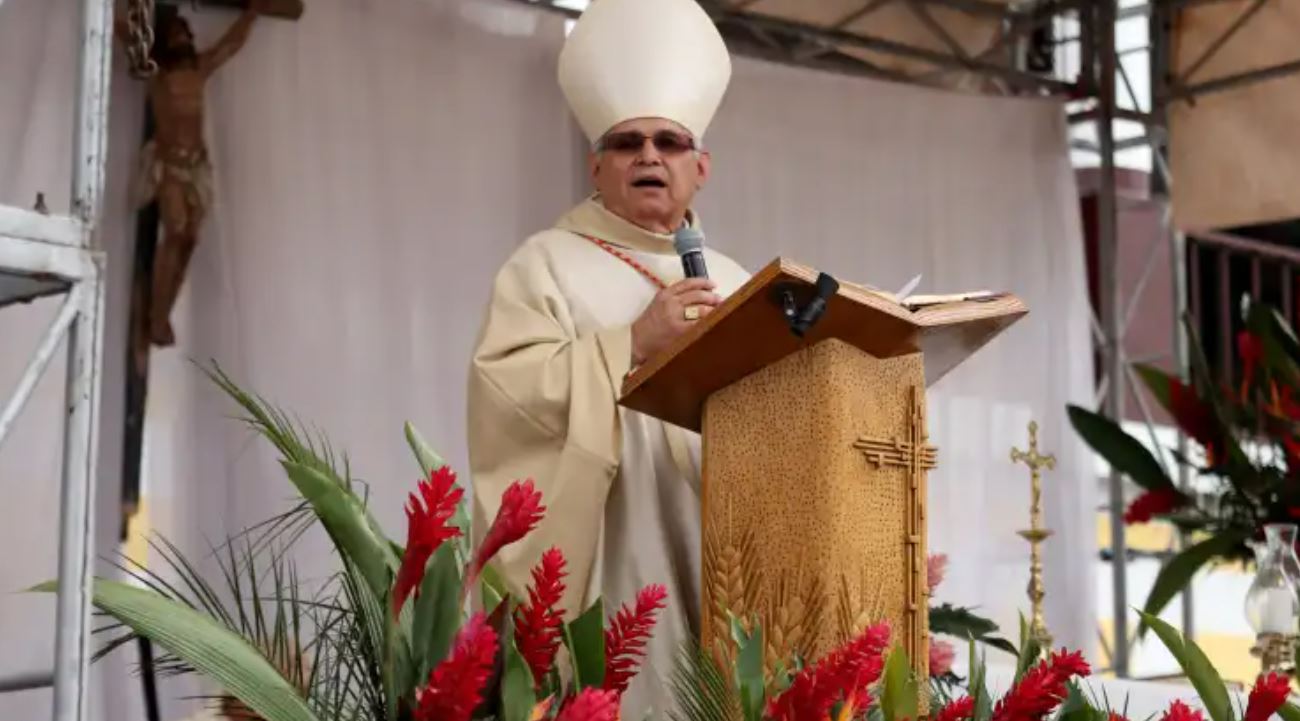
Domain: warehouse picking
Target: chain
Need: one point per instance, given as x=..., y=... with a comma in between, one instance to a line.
x=139, y=18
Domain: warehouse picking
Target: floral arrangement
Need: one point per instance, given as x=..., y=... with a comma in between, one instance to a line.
x=1250, y=436
x=864, y=680
x=390, y=638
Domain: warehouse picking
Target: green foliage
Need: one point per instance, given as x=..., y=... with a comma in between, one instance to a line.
x=900, y=693
x=963, y=623
x=205, y=645
x=701, y=688
x=585, y=639
x=1030, y=650
x=1200, y=672
x=437, y=610
x=749, y=668
x=977, y=690
x=1179, y=571
x=1123, y=452
x=517, y=698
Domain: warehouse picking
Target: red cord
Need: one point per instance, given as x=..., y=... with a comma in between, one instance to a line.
x=609, y=248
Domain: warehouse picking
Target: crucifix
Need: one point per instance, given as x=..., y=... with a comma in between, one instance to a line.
x=915, y=454
x=1036, y=533
x=173, y=193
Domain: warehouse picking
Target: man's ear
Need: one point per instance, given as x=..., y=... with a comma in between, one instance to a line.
x=704, y=165
x=593, y=166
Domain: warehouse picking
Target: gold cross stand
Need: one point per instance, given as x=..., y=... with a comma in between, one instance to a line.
x=1036, y=533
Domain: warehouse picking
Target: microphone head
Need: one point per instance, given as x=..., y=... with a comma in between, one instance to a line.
x=688, y=240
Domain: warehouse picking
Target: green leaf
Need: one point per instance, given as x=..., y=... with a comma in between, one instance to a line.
x=1077, y=708
x=960, y=622
x=1205, y=679
x=749, y=669
x=349, y=525
x=437, y=613
x=1030, y=650
x=428, y=459
x=1123, y=452
x=1178, y=573
x=585, y=638
x=203, y=643
x=400, y=677
x=1289, y=712
x=700, y=688
x=517, y=698
x=899, y=695
x=1156, y=381
x=494, y=587
x=979, y=693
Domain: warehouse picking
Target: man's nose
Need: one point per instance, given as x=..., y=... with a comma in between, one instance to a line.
x=649, y=154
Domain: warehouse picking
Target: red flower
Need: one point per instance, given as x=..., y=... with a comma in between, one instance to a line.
x=1268, y=695
x=1041, y=689
x=845, y=673
x=1152, y=504
x=593, y=704
x=426, y=529
x=1116, y=717
x=1179, y=711
x=941, y=657
x=962, y=708
x=1251, y=350
x=1068, y=664
x=935, y=566
x=521, y=510
x=626, y=637
x=538, y=625
x=456, y=686
x=1194, y=416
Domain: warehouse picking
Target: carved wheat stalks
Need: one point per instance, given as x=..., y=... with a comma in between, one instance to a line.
x=732, y=584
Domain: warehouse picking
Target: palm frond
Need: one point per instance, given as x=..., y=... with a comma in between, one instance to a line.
x=701, y=689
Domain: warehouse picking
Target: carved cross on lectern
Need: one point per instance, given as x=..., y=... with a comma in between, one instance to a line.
x=916, y=455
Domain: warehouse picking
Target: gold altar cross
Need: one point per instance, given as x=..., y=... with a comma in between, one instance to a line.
x=915, y=454
x=1036, y=533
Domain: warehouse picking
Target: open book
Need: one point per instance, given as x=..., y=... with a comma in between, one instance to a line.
x=913, y=302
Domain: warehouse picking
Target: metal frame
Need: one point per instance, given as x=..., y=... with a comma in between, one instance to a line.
x=61, y=252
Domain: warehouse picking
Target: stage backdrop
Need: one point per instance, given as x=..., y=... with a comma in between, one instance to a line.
x=376, y=162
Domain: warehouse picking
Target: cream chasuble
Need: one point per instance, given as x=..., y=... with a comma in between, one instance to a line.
x=621, y=488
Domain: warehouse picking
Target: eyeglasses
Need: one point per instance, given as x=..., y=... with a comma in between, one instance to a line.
x=632, y=141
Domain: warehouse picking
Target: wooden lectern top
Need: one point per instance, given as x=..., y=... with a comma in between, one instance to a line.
x=749, y=332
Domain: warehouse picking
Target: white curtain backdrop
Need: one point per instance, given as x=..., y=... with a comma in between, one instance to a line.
x=378, y=159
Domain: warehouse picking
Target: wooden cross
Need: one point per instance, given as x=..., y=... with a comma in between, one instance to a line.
x=915, y=454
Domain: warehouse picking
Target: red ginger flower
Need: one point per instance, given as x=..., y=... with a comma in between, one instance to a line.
x=538, y=623
x=1116, y=717
x=959, y=710
x=456, y=686
x=426, y=529
x=1194, y=416
x=935, y=566
x=1179, y=711
x=941, y=657
x=1268, y=695
x=626, y=637
x=1152, y=504
x=846, y=673
x=1251, y=350
x=1041, y=689
x=593, y=704
x=521, y=510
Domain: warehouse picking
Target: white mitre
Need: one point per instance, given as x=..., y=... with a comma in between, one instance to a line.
x=627, y=59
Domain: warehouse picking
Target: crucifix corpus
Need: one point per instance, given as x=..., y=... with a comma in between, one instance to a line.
x=174, y=168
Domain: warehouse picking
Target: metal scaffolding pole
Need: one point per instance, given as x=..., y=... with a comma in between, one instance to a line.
x=43, y=255
x=1104, y=67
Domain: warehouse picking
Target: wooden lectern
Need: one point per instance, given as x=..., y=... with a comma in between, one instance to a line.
x=815, y=451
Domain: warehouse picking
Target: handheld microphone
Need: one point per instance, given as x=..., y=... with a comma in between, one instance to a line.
x=689, y=244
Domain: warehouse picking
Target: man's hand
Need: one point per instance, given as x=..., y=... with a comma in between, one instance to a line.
x=665, y=318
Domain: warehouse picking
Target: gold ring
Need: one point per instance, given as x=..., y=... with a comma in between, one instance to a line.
x=691, y=313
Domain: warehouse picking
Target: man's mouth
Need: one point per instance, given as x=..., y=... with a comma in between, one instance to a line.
x=649, y=183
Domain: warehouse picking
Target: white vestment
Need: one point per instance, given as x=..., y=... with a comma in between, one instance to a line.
x=621, y=488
